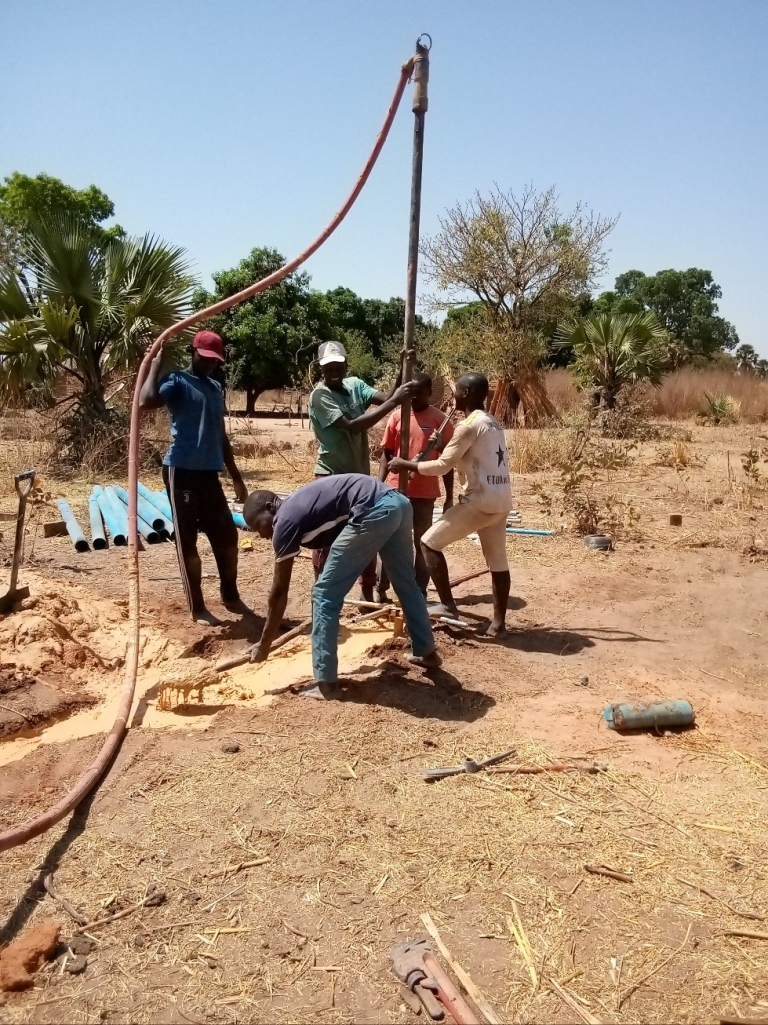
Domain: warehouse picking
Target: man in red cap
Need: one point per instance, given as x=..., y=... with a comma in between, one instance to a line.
x=199, y=451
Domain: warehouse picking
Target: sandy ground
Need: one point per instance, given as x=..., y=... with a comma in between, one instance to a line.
x=358, y=845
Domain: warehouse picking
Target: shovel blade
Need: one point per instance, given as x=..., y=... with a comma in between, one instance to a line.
x=9, y=599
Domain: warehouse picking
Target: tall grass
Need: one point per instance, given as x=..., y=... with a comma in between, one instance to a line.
x=682, y=395
x=562, y=390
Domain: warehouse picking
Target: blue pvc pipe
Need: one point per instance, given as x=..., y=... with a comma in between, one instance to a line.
x=147, y=512
x=146, y=530
x=98, y=540
x=117, y=523
x=239, y=521
x=655, y=716
x=118, y=509
x=159, y=499
x=528, y=530
x=73, y=527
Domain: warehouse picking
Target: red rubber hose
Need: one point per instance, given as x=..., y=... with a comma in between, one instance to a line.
x=19, y=834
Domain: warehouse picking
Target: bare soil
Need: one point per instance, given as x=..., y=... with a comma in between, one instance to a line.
x=358, y=845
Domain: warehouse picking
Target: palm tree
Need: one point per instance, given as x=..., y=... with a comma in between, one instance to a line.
x=614, y=350
x=86, y=308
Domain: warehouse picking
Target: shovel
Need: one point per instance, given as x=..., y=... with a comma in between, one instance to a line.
x=23, y=482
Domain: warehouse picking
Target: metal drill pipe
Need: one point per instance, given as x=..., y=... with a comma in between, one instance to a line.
x=420, y=104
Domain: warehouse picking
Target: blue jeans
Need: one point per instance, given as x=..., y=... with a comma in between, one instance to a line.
x=387, y=529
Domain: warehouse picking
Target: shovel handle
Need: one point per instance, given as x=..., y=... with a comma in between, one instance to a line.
x=24, y=482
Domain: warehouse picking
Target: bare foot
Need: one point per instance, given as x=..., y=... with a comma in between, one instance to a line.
x=205, y=618
x=497, y=630
x=366, y=593
x=238, y=606
x=430, y=661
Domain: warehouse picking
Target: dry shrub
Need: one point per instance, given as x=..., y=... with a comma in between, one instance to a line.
x=683, y=395
x=550, y=448
x=562, y=390
x=720, y=409
x=678, y=456
x=25, y=443
x=628, y=418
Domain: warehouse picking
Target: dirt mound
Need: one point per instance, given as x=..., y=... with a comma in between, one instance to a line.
x=21, y=959
x=62, y=652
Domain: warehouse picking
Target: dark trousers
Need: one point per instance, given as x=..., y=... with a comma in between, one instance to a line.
x=423, y=508
x=198, y=504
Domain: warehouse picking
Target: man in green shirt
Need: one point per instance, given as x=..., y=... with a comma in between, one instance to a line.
x=340, y=416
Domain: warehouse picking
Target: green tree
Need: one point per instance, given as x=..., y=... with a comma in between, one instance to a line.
x=528, y=264
x=614, y=350
x=378, y=320
x=86, y=308
x=270, y=337
x=685, y=303
x=25, y=201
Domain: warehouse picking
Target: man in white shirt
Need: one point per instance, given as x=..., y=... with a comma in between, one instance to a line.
x=478, y=450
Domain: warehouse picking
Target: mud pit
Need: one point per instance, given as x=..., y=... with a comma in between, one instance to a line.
x=77, y=644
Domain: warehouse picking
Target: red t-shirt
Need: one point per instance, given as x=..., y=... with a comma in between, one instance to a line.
x=422, y=425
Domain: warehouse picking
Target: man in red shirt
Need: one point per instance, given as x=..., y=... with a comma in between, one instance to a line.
x=422, y=491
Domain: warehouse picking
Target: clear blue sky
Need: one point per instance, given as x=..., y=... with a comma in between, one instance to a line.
x=225, y=124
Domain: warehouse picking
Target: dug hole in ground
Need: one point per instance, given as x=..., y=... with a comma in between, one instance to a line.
x=215, y=773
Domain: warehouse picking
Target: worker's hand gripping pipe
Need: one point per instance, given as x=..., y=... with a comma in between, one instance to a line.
x=24, y=831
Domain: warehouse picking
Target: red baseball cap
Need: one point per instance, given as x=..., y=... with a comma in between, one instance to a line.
x=209, y=344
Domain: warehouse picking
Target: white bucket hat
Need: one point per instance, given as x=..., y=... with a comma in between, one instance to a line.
x=331, y=352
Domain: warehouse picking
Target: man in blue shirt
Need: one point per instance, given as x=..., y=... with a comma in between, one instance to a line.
x=356, y=517
x=199, y=451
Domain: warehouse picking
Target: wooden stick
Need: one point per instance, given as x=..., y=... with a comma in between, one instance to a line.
x=747, y=934
x=702, y=889
x=636, y=985
x=574, y=1005
x=465, y=578
x=554, y=767
x=743, y=1021
x=15, y=711
x=74, y=915
x=170, y=925
x=469, y=986
x=245, y=656
x=115, y=917
x=370, y=604
x=234, y=869
x=377, y=614
x=604, y=870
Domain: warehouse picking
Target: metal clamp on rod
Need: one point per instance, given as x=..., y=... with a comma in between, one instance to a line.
x=420, y=76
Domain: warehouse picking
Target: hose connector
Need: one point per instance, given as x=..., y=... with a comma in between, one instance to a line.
x=420, y=74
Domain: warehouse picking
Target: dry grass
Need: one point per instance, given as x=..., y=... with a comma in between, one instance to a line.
x=549, y=448
x=682, y=395
x=562, y=391
x=358, y=848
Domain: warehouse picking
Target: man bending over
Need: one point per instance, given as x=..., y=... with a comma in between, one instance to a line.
x=355, y=517
x=478, y=450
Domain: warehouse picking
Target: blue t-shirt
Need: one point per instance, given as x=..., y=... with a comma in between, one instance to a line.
x=315, y=515
x=196, y=406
